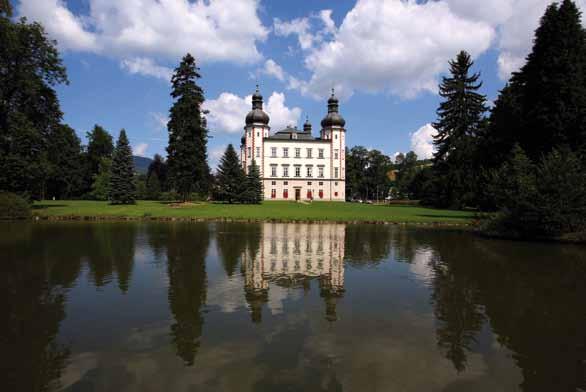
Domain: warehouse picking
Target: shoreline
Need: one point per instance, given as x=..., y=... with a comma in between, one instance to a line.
x=112, y=218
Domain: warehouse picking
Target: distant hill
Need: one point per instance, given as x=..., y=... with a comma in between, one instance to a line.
x=141, y=164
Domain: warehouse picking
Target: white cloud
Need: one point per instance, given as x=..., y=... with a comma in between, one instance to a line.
x=228, y=112
x=394, y=45
x=146, y=67
x=60, y=23
x=516, y=21
x=140, y=149
x=300, y=27
x=271, y=68
x=422, y=141
x=216, y=30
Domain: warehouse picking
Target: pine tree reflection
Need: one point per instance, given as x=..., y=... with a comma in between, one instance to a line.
x=187, y=247
x=290, y=256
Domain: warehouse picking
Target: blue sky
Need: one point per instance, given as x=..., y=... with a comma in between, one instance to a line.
x=384, y=57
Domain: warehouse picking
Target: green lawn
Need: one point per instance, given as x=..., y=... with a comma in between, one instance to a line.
x=280, y=210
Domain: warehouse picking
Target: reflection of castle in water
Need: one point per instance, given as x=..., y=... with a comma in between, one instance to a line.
x=291, y=256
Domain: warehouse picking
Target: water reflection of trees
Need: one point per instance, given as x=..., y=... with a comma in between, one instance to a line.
x=187, y=247
x=40, y=264
x=532, y=295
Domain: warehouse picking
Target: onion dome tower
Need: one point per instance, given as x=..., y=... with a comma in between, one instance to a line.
x=257, y=115
x=307, y=126
x=333, y=118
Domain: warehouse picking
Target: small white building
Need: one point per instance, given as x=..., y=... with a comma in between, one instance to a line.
x=295, y=165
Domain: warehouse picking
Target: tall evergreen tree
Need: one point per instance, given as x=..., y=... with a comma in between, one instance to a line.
x=122, y=187
x=101, y=183
x=30, y=67
x=5, y=8
x=254, y=191
x=153, y=187
x=187, y=150
x=552, y=84
x=231, y=180
x=460, y=117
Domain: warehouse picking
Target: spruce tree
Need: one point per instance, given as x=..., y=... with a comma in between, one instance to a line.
x=187, y=150
x=554, y=82
x=460, y=118
x=122, y=187
x=231, y=180
x=254, y=191
x=153, y=187
x=64, y=173
x=158, y=167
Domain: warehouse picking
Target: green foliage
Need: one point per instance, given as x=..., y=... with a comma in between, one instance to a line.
x=159, y=167
x=231, y=180
x=187, y=149
x=254, y=192
x=460, y=119
x=122, y=187
x=367, y=174
x=5, y=8
x=64, y=172
x=407, y=170
x=140, y=184
x=30, y=67
x=153, y=187
x=100, y=146
x=547, y=199
x=101, y=184
x=13, y=207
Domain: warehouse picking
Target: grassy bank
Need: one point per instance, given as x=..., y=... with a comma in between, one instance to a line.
x=276, y=210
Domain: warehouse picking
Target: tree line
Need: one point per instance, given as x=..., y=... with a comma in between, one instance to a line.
x=41, y=157
x=525, y=157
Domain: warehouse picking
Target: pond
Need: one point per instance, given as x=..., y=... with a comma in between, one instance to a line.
x=286, y=307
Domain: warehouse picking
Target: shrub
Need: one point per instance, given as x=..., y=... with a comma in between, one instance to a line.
x=13, y=206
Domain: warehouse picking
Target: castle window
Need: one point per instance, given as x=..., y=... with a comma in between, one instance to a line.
x=249, y=152
x=309, y=171
x=273, y=182
x=336, y=172
x=285, y=171
x=309, y=183
x=320, y=172
x=336, y=154
x=273, y=171
x=273, y=193
x=285, y=152
x=285, y=182
x=258, y=152
x=298, y=171
x=309, y=152
x=336, y=136
x=297, y=153
x=321, y=183
x=274, y=152
x=320, y=153
x=285, y=193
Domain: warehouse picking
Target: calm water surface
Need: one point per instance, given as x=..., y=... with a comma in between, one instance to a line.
x=286, y=307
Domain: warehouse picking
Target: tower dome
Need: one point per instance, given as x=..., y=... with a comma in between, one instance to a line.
x=307, y=126
x=333, y=118
x=257, y=115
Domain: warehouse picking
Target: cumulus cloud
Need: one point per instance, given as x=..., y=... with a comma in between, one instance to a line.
x=140, y=149
x=160, y=120
x=299, y=27
x=422, y=141
x=397, y=46
x=271, y=68
x=228, y=112
x=218, y=30
x=146, y=67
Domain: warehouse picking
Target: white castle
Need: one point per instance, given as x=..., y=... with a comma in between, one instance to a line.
x=295, y=165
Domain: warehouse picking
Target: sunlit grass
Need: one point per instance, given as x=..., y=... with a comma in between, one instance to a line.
x=278, y=210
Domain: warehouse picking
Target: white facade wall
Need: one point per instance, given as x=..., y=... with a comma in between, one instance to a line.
x=285, y=184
